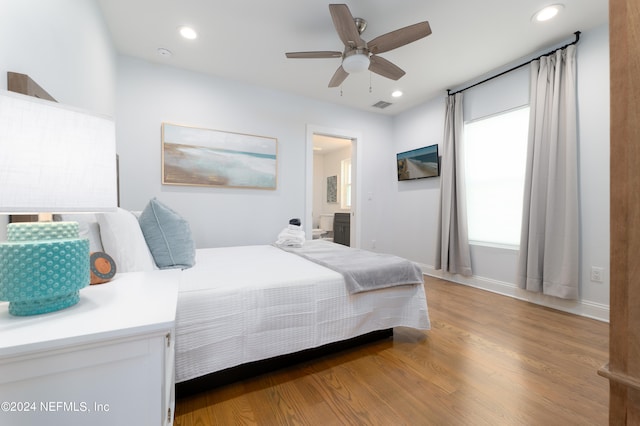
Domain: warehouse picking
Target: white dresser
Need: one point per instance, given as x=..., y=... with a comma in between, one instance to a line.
x=109, y=360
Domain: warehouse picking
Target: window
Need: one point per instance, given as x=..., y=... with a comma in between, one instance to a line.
x=495, y=158
x=345, y=184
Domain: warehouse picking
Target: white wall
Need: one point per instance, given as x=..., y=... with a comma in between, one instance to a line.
x=319, y=189
x=414, y=204
x=593, y=131
x=65, y=47
x=325, y=165
x=411, y=207
x=148, y=94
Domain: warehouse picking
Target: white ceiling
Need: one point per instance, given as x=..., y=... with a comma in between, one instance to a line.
x=323, y=145
x=246, y=40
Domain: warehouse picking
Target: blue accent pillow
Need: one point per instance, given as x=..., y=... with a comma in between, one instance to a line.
x=168, y=236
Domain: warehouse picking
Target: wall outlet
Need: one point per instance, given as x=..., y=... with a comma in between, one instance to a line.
x=597, y=274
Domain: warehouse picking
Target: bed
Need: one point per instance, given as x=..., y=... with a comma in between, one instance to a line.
x=238, y=306
x=243, y=304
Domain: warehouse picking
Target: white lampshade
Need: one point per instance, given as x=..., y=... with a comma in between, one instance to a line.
x=357, y=62
x=54, y=158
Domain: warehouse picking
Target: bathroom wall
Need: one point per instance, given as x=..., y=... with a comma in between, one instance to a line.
x=325, y=165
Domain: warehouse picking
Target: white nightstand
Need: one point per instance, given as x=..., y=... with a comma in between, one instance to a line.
x=109, y=360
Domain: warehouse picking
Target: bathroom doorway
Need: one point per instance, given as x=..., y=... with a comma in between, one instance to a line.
x=332, y=186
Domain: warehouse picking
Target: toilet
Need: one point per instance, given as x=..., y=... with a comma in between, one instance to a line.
x=326, y=226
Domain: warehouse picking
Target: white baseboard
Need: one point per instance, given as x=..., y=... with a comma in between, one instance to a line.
x=583, y=308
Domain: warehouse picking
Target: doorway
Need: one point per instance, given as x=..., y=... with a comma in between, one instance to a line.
x=332, y=156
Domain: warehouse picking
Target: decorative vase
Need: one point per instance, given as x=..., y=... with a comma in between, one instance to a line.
x=43, y=266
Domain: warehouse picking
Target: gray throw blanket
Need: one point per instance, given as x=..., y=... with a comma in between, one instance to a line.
x=362, y=270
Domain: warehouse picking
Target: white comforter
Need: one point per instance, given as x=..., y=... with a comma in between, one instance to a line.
x=243, y=304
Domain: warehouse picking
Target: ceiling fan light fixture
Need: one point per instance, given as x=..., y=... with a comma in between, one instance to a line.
x=360, y=55
x=357, y=62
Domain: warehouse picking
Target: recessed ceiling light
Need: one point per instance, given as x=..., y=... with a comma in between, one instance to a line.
x=397, y=94
x=188, y=33
x=547, y=13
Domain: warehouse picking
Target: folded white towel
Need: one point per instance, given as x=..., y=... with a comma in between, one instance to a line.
x=291, y=236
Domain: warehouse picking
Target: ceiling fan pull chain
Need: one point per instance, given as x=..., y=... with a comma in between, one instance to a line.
x=370, y=90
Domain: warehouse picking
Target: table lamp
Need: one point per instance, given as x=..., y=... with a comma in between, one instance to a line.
x=53, y=159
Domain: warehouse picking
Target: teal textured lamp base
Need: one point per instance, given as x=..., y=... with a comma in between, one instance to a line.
x=43, y=265
x=42, y=306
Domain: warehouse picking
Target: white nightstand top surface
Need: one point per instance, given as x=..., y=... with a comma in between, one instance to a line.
x=130, y=304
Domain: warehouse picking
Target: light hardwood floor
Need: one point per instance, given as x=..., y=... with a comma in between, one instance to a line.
x=488, y=360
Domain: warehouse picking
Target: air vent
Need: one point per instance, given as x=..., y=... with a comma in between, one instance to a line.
x=381, y=104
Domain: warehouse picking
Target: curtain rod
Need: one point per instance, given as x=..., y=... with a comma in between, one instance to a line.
x=577, y=34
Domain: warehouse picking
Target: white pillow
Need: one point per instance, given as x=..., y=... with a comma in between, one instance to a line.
x=87, y=228
x=122, y=239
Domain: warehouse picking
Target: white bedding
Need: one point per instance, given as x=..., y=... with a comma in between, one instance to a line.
x=243, y=304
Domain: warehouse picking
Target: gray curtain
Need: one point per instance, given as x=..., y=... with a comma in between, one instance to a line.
x=452, y=252
x=549, y=243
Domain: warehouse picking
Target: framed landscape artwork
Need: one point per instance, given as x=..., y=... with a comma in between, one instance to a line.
x=205, y=157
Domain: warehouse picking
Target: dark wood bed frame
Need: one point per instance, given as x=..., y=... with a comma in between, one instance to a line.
x=254, y=369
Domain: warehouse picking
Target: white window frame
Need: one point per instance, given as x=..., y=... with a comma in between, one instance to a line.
x=345, y=183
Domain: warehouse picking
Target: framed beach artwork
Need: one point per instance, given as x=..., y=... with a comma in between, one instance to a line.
x=205, y=157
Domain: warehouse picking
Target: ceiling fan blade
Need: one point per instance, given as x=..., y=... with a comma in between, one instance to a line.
x=345, y=25
x=317, y=54
x=397, y=38
x=338, y=77
x=385, y=68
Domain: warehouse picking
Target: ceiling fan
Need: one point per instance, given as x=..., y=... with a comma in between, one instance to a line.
x=358, y=55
